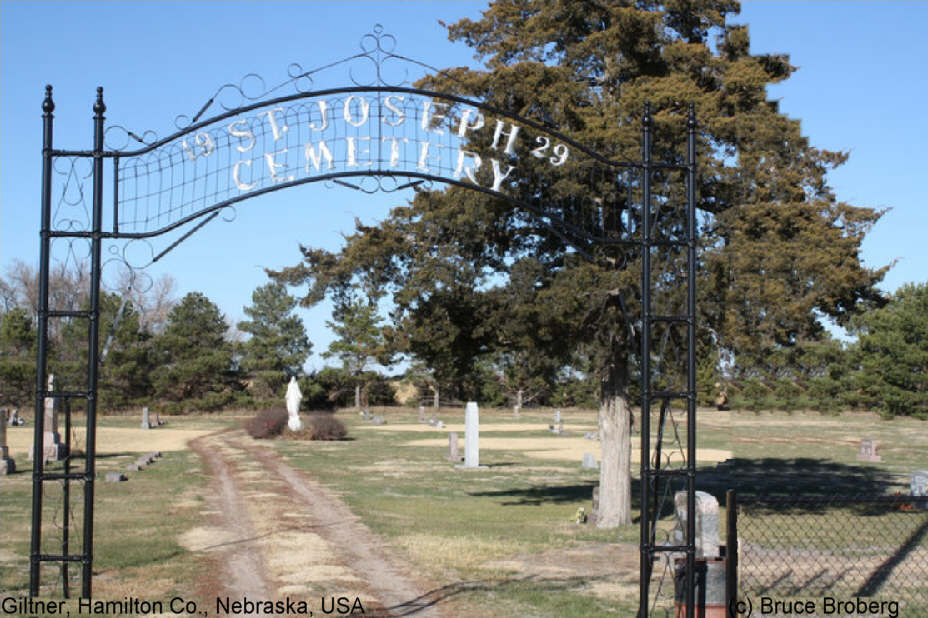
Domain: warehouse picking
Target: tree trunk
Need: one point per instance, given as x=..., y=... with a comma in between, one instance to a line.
x=518, y=407
x=615, y=495
x=357, y=395
x=435, y=399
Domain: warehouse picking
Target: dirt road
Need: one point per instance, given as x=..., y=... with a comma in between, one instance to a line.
x=277, y=534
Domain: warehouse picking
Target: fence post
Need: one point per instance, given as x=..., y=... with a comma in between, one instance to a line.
x=731, y=552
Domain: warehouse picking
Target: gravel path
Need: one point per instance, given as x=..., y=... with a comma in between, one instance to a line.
x=286, y=536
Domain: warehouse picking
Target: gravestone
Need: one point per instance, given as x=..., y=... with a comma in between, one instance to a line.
x=707, y=523
x=867, y=451
x=366, y=413
x=146, y=421
x=560, y=428
x=7, y=465
x=421, y=414
x=433, y=420
x=471, y=436
x=116, y=477
x=379, y=420
x=15, y=419
x=439, y=424
x=589, y=461
x=53, y=449
x=594, y=511
x=557, y=417
x=453, y=454
x=918, y=483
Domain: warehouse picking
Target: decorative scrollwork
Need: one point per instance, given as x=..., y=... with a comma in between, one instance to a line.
x=71, y=213
x=381, y=184
x=117, y=138
x=373, y=66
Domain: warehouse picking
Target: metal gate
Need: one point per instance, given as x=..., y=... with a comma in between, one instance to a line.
x=373, y=135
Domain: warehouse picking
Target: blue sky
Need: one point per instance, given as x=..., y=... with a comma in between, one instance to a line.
x=861, y=87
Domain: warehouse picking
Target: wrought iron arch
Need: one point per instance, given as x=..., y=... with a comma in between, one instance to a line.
x=379, y=134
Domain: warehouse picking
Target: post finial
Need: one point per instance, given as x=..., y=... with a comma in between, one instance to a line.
x=48, y=105
x=691, y=117
x=99, y=107
x=646, y=118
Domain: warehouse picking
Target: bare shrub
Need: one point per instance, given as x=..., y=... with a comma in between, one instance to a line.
x=324, y=426
x=267, y=423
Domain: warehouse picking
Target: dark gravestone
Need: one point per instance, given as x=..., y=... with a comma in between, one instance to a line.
x=7, y=465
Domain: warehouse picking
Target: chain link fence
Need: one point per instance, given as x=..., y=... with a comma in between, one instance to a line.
x=834, y=551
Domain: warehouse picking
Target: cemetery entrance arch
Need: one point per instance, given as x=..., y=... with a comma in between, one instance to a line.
x=377, y=134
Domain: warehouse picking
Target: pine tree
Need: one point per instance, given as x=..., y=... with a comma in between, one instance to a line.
x=360, y=341
x=278, y=345
x=893, y=353
x=17, y=358
x=776, y=248
x=194, y=360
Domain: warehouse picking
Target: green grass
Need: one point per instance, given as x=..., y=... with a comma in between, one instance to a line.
x=495, y=538
x=136, y=524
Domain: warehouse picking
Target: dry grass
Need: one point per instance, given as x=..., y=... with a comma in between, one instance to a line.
x=112, y=440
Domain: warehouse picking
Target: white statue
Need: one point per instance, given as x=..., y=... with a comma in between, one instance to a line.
x=293, y=405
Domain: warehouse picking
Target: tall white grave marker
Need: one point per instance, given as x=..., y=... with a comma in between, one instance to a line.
x=471, y=435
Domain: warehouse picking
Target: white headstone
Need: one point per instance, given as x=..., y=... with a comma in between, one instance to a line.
x=146, y=421
x=471, y=435
x=557, y=417
x=919, y=486
x=707, y=523
x=53, y=449
x=293, y=405
x=589, y=461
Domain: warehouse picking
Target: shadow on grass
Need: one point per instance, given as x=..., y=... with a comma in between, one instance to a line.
x=527, y=584
x=800, y=478
x=540, y=494
x=752, y=479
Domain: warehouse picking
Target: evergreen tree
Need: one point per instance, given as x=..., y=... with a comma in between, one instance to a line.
x=278, y=345
x=776, y=249
x=194, y=360
x=893, y=353
x=17, y=358
x=360, y=342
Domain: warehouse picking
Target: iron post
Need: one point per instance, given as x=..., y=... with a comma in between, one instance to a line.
x=94, y=340
x=38, y=444
x=691, y=362
x=731, y=551
x=645, y=378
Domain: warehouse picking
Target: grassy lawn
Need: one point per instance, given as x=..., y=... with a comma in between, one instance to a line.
x=136, y=523
x=502, y=538
x=503, y=534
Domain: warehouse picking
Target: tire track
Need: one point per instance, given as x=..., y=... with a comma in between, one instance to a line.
x=293, y=537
